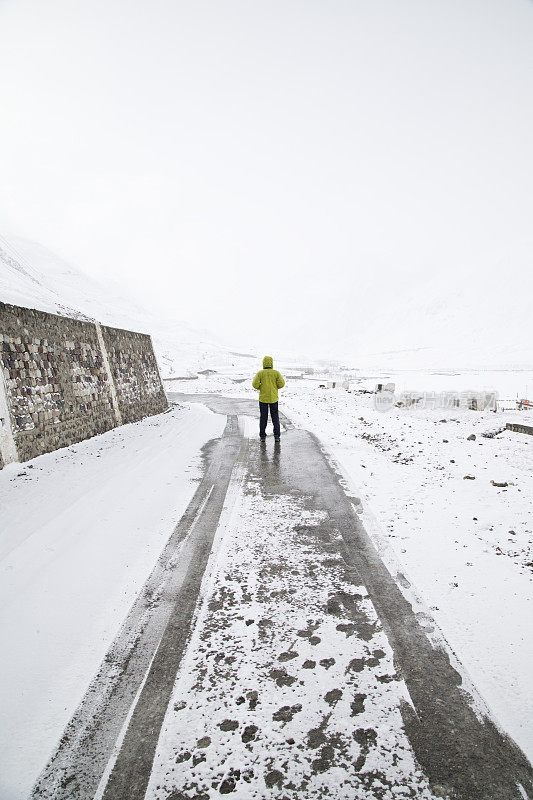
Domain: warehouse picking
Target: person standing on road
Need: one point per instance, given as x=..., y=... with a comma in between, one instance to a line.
x=268, y=380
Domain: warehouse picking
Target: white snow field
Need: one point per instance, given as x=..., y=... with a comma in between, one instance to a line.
x=464, y=545
x=81, y=529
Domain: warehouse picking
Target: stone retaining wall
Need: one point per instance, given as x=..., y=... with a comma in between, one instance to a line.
x=57, y=381
x=518, y=427
x=135, y=373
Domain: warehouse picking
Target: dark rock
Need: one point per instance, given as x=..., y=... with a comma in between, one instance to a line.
x=274, y=778
x=227, y=786
x=333, y=696
x=286, y=713
x=229, y=725
x=358, y=704
x=205, y=741
x=288, y=655
x=249, y=732
x=282, y=677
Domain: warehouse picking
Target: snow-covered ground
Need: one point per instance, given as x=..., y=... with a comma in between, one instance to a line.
x=464, y=544
x=88, y=522
x=81, y=529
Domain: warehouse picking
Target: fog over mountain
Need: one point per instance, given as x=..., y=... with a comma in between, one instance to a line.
x=348, y=180
x=34, y=277
x=432, y=323
x=480, y=319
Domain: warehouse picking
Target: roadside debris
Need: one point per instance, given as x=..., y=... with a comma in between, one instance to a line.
x=492, y=434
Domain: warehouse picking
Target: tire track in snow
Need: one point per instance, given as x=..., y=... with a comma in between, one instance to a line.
x=168, y=598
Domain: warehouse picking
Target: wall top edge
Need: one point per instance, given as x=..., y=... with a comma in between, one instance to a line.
x=79, y=317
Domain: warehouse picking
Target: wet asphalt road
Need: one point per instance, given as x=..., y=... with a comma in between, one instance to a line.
x=108, y=749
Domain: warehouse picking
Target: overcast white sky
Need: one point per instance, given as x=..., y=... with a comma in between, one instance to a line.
x=247, y=164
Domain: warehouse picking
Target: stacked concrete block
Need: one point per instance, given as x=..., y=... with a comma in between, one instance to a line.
x=56, y=382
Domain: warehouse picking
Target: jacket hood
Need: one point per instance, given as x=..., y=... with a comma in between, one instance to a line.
x=268, y=362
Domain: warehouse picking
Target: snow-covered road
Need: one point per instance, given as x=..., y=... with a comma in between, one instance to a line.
x=288, y=687
x=269, y=653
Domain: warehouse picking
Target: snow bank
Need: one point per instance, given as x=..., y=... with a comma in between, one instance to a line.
x=81, y=530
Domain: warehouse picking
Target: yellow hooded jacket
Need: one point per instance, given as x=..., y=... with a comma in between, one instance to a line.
x=268, y=381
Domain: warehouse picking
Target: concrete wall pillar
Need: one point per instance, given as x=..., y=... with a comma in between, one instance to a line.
x=112, y=388
x=8, y=448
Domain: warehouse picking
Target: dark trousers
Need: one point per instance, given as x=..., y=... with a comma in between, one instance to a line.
x=274, y=416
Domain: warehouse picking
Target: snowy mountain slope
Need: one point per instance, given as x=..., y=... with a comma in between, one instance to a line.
x=32, y=276
x=474, y=320
x=482, y=321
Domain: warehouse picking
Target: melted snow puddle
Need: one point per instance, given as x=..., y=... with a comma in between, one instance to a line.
x=287, y=688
